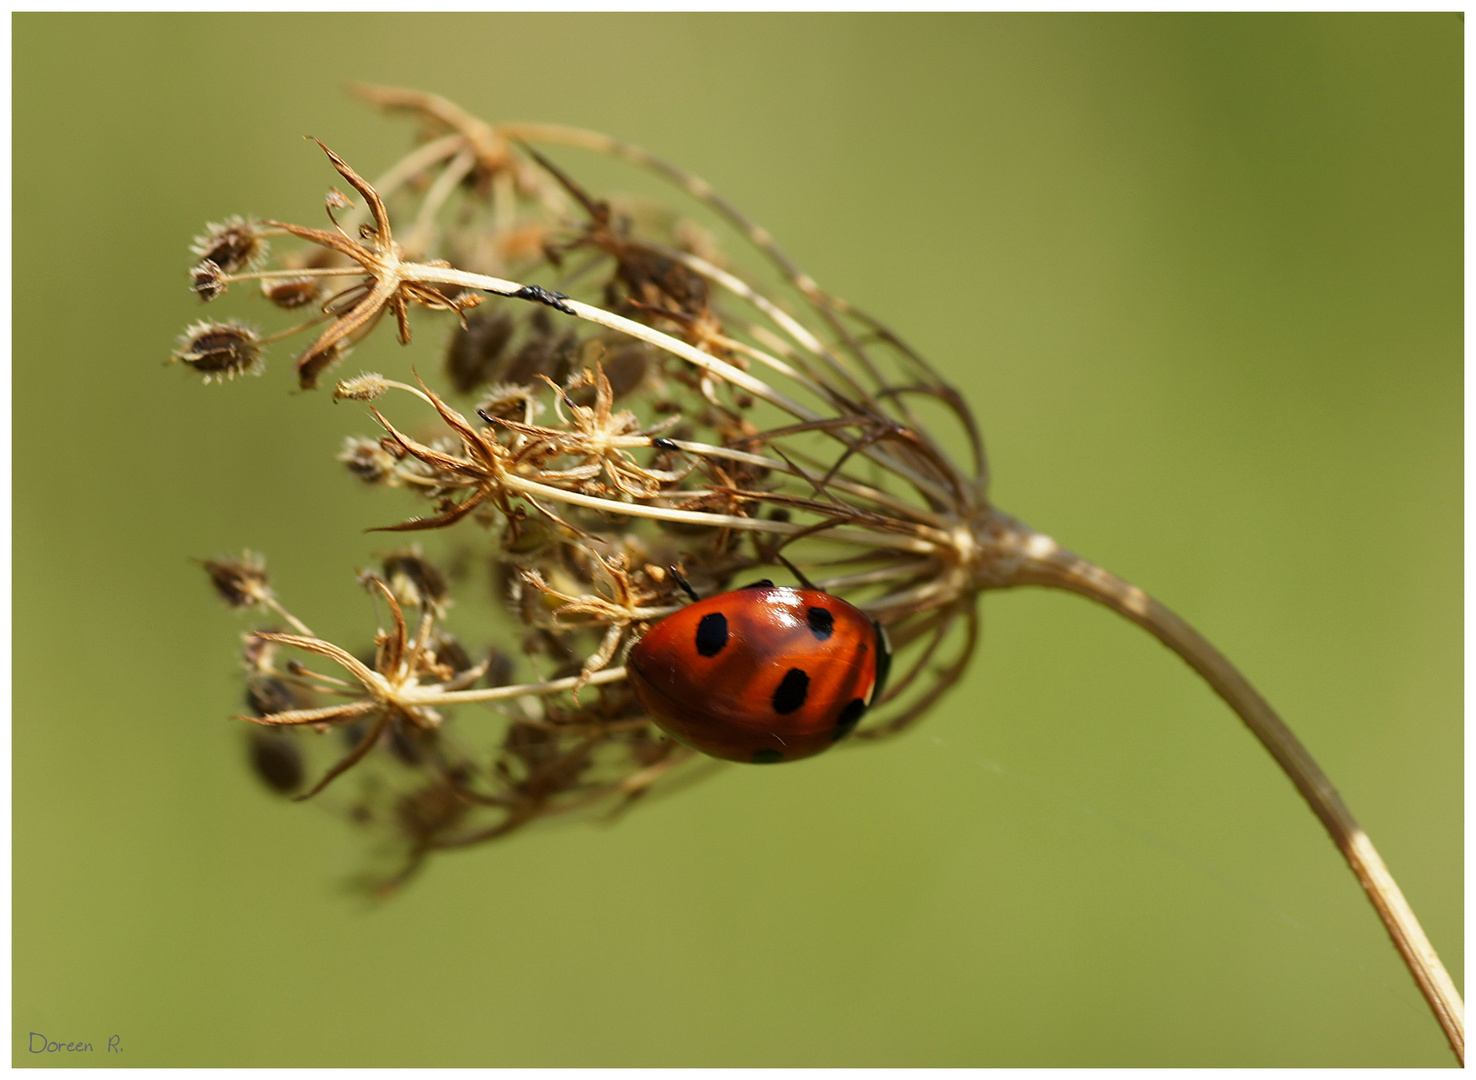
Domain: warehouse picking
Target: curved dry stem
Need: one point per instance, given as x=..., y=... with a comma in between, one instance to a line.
x=707, y=362
x=1046, y=563
x=694, y=356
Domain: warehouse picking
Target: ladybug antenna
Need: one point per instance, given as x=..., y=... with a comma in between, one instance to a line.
x=795, y=570
x=677, y=574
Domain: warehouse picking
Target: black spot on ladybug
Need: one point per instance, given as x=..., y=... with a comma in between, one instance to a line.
x=762, y=583
x=822, y=622
x=712, y=634
x=850, y=716
x=792, y=691
x=767, y=756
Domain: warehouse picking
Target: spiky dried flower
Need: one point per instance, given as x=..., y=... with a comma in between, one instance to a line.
x=358, y=307
x=219, y=351
x=207, y=281
x=751, y=432
x=365, y=387
x=234, y=245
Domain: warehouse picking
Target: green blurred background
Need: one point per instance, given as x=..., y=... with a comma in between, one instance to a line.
x=1201, y=278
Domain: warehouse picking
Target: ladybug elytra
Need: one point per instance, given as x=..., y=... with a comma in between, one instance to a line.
x=762, y=674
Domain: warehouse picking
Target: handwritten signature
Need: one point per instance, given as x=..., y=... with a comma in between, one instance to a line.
x=39, y=1044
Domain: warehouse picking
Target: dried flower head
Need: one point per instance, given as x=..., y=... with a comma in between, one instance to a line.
x=681, y=418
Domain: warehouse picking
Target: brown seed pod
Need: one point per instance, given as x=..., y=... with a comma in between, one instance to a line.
x=626, y=368
x=404, y=743
x=475, y=350
x=265, y=696
x=292, y=293
x=276, y=759
x=499, y=668
x=549, y=354
x=241, y=582
x=206, y=281
x=413, y=578
x=368, y=460
x=451, y=656
x=220, y=351
x=234, y=245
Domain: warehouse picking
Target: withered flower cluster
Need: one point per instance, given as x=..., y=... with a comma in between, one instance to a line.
x=647, y=407
x=617, y=401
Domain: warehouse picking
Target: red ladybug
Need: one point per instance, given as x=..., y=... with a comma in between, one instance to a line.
x=761, y=674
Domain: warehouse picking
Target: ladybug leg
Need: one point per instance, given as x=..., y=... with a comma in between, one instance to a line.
x=677, y=574
x=795, y=570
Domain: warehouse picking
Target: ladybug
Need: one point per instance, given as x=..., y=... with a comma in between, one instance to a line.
x=761, y=674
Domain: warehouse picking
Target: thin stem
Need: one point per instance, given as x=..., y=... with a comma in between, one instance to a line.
x=1046, y=563
x=900, y=508
x=435, y=198
x=432, y=696
x=696, y=357
x=297, y=624
x=720, y=521
x=293, y=275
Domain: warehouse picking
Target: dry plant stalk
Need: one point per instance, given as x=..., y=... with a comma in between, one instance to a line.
x=652, y=407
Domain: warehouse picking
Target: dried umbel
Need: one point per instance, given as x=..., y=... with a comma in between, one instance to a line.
x=647, y=410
